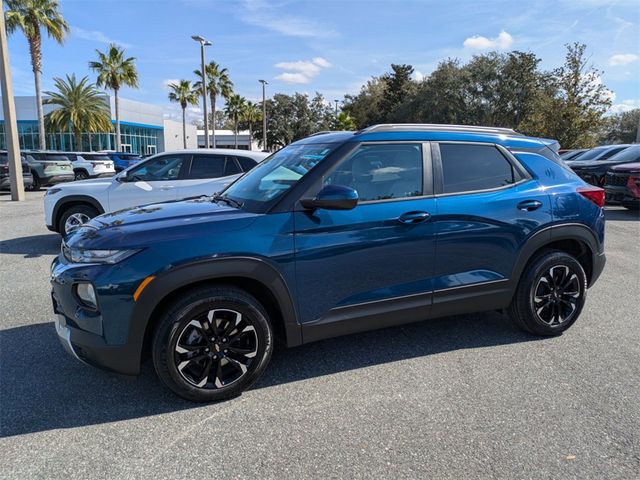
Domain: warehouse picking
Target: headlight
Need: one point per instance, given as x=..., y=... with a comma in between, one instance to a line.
x=53, y=191
x=87, y=294
x=76, y=255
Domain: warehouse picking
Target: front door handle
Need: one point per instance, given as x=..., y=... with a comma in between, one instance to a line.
x=529, y=205
x=413, y=217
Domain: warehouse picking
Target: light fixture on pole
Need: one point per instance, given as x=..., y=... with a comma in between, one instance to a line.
x=336, y=106
x=264, y=114
x=204, y=43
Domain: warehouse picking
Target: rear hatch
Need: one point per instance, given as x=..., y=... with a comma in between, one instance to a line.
x=54, y=164
x=4, y=165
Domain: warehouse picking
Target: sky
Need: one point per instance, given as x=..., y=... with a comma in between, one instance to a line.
x=331, y=46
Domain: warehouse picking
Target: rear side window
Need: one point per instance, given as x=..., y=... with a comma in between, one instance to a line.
x=246, y=163
x=213, y=166
x=466, y=168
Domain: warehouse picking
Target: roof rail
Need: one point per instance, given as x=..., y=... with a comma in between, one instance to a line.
x=431, y=127
x=323, y=132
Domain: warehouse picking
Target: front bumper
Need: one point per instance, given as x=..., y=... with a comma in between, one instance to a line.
x=5, y=182
x=620, y=196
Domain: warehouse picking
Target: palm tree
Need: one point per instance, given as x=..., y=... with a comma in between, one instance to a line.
x=31, y=16
x=184, y=94
x=81, y=108
x=235, y=108
x=251, y=113
x=344, y=122
x=218, y=83
x=114, y=71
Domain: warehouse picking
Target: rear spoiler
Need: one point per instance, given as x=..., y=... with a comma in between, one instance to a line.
x=551, y=143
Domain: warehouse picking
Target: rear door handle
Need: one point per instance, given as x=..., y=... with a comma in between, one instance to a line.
x=414, y=217
x=529, y=205
x=166, y=187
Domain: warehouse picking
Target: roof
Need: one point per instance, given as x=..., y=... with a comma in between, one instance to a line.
x=435, y=132
x=256, y=155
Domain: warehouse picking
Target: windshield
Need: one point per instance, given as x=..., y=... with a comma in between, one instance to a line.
x=270, y=179
x=593, y=153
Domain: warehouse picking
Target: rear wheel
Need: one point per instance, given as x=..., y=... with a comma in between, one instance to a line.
x=81, y=175
x=74, y=217
x=634, y=207
x=212, y=343
x=550, y=295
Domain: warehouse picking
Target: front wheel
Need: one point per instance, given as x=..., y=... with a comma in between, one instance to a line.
x=212, y=343
x=550, y=295
x=36, y=185
x=74, y=217
x=81, y=175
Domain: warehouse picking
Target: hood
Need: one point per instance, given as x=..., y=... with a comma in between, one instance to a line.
x=159, y=222
x=627, y=168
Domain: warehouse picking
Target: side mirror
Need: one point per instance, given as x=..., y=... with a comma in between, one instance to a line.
x=332, y=197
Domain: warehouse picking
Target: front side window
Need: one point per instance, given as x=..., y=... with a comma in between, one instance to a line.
x=163, y=168
x=381, y=172
x=466, y=168
x=270, y=179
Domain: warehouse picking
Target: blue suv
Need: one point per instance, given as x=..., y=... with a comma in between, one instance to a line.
x=337, y=233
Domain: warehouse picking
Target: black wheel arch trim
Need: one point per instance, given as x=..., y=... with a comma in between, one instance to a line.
x=554, y=233
x=250, y=268
x=59, y=206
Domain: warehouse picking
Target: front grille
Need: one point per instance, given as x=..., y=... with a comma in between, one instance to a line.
x=617, y=180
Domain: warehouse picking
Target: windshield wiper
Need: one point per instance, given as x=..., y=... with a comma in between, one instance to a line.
x=227, y=200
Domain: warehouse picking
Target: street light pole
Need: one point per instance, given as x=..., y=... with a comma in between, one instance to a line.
x=10, y=122
x=203, y=42
x=264, y=114
x=336, y=106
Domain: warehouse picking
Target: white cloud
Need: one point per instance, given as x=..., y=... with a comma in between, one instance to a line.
x=302, y=71
x=261, y=13
x=96, y=36
x=624, y=106
x=418, y=76
x=166, y=82
x=623, y=59
x=503, y=41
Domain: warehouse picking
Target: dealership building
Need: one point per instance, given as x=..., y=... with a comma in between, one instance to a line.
x=143, y=129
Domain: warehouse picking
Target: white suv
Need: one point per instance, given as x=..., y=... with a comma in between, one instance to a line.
x=163, y=177
x=90, y=165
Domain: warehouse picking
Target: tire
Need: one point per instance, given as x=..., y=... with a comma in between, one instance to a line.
x=36, y=185
x=535, y=307
x=185, y=332
x=82, y=212
x=81, y=175
x=633, y=207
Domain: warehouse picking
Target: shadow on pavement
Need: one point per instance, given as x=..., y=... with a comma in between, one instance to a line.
x=621, y=214
x=33, y=246
x=42, y=388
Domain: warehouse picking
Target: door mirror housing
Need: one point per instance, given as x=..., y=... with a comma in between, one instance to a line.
x=332, y=197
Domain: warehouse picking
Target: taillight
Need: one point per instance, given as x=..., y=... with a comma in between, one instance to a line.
x=595, y=194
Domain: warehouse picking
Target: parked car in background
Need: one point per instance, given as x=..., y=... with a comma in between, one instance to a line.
x=91, y=165
x=5, y=179
x=572, y=154
x=622, y=185
x=48, y=168
x=338, y=233
x=122, y=160
x=594, y=171
x=598, y=153
x=163, y=177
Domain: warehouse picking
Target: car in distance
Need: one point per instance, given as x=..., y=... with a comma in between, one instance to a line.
x=603, y=152
x=123, y=160
x=5, y=179
x=163, y=177
x=90, y=165
x=594, y=171
x=622, y=185
x=337, y=233
x=48, y=168
x=568, y=155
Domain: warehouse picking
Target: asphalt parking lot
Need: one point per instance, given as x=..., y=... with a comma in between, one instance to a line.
x=461, y=397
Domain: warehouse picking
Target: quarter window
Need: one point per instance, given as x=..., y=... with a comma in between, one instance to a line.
x=466, y=168
x=246, y=163
x=382, y=172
